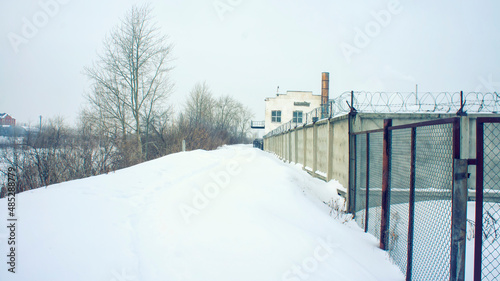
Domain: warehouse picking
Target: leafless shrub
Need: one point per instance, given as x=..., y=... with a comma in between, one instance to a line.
x=338, y=210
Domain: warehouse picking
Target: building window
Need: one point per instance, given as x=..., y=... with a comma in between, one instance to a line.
x=297, y=117
x=276, y=116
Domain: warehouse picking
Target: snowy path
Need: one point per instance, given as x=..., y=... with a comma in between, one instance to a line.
x=236, y=213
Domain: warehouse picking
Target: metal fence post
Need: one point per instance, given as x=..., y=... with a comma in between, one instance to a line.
x=478, y=237
x=367, y=195
x=352, y=100
x=385, y=212
x=411, y=205
x=351, y=192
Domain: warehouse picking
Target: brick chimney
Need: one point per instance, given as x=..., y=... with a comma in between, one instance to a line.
x=325, y=92
x=325, y=87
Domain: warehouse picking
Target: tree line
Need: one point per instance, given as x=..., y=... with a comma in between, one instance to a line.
x=127, y=118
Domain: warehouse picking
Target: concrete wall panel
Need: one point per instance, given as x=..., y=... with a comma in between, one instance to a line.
x=300, y=146
x=309, y=146
x=322, y=149
x=340, y=161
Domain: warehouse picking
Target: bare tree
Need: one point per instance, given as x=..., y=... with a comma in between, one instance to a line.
x=226, y=109
x=130, y=76
x=242, y=124
x=208, y=122
x=200, y=105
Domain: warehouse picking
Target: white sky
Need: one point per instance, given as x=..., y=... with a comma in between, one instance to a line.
x=255, y=47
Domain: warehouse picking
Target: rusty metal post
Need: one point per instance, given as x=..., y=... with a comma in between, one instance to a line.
x=351, y=191
x=461, y=111
x=367, y=195
x=456, y=138
x=352, y=100
x=386, y=164
x=411, y=207
x=462, y=99
x=458, y=220
x=478, y=237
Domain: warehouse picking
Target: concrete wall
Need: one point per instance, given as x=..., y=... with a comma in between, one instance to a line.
x=322, y=147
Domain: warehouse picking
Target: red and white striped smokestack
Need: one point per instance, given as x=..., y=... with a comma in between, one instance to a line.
x=325, y=87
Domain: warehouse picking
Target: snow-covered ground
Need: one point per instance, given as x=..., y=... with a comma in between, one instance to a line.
x=236, y=213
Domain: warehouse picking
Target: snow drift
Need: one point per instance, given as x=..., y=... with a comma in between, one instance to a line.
x=236, y=213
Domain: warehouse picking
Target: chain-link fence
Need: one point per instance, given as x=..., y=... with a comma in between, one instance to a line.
x=487, y=247
x=399, y=196
x=361, y=185
x=433, y=190
x=375, y=183
x=419, y=185
x=369, y=181
x=403, y=187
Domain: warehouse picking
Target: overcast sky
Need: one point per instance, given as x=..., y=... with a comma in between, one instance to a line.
x=246, y=48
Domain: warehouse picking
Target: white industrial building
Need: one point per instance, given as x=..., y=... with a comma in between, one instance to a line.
x=290, y=106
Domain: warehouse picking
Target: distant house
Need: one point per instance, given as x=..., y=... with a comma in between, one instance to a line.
x=7, y=120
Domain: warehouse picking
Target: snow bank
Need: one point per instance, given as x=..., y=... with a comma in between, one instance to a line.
x=236, y=213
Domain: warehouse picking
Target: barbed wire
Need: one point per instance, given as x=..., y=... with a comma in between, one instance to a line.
x=399, y=102
x=442, y=102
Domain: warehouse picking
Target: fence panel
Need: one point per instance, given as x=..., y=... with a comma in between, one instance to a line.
x=433, y=189
x=420, y=182
x=369, y=180
x=487, y=248
x=399, y=196
x=375, y=183
x=360, y=201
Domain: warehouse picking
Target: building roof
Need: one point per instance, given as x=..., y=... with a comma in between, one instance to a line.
x=3, y=115
x=290, y=93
